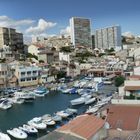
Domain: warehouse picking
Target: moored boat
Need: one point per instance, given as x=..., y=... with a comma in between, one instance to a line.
x=37, y=123
x=41, y=91
x=56, y=118
x=5, y=104
x=4, y=136
x=78, y=101
x=47, y=119
x=63, y=114
x=89, y=101
x=92, y=109
x=17, y=133
x=73, y=111
x=28, y=129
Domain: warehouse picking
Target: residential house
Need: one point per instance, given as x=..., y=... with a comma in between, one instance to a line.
x=42, y=53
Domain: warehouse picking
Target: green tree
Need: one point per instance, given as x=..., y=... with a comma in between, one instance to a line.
x=61, y=74
x=65, y=49
x=41, y=61
x=29, y=55
x=119, y=81
x=3, y=60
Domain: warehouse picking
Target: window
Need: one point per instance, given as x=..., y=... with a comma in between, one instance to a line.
x=34, y=78
x=22, y=79
x=28, y=72
x=34, y=72
x=28, y=79
x=2, y=72
x=22, y=73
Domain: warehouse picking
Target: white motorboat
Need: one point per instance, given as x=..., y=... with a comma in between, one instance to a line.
x=28, y=96
x=49, y=122
x=92, y=109
x=63, y=114
x=28, y=129
x=5, y=104
x=4, y=136
x=89, y=101
x=81, y=100
x=17, y=133
x=17, y=100
x=57, y=118
x=37, y=123
x=73, y=111
x=66, y=90
x=41, y=91
x=47, y=119
x=78, y=101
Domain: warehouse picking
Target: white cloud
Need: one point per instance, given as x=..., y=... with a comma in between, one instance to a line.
x=128, y=34
x=41, y=27
x=5, y=21
x=65, y=31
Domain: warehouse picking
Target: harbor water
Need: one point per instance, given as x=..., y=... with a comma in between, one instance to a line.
x=19, y=114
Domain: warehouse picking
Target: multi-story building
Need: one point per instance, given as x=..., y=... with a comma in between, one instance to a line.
x=80, y=32
x=3, y=75
x=27, y=75
x=6, y=52
x=10, y=37
x=109, y=37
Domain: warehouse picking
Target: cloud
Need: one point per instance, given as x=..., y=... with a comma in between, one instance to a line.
x=5, y=21
x=41, y=27
x=128, y=34
x=65, y=31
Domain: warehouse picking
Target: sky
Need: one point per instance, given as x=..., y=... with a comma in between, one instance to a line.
x=51, y=17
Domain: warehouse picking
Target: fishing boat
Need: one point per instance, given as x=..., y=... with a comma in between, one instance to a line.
x=17, y=133
x=28, y=129
x=41, y=91
x=4, y=136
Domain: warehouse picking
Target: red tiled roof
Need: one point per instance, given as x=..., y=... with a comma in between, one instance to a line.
x=125, y=117
x=85, y=126
x=131, y=88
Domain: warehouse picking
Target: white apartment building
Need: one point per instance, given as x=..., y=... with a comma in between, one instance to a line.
x=27, y=75
x=109, y=37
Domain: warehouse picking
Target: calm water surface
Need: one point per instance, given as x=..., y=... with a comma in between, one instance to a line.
x=21, y=113
x=55, y=101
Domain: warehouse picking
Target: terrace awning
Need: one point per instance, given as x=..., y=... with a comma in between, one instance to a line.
x=132, y=88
